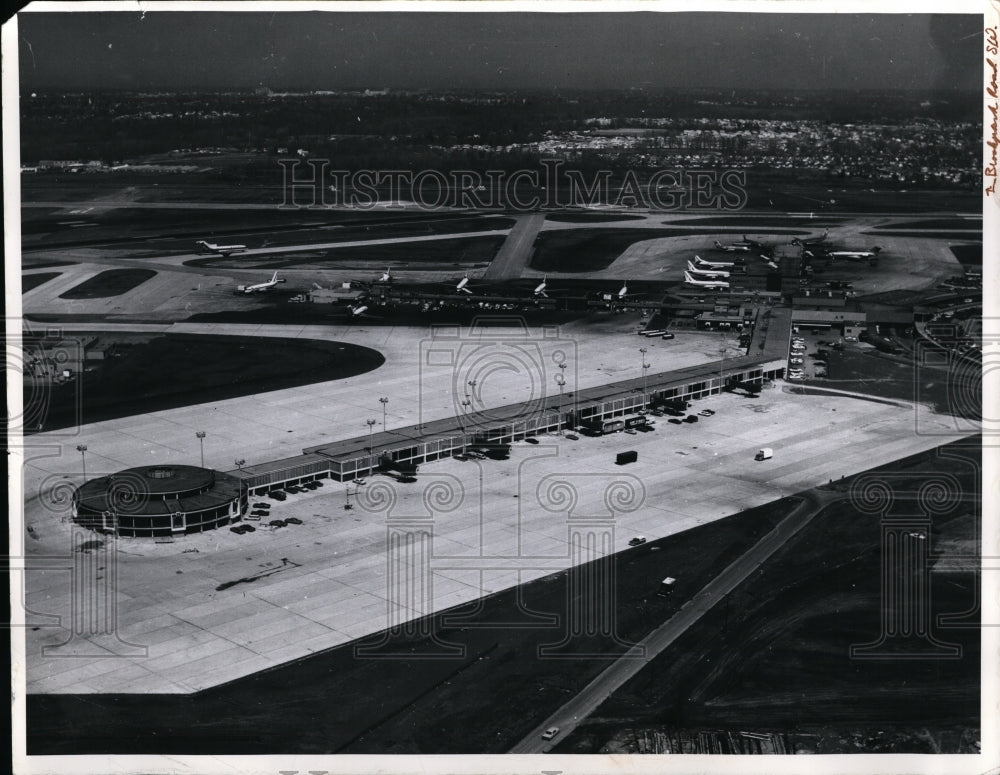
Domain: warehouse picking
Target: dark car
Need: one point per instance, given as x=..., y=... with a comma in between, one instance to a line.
x=259, y=513
x=531, y=440
x=691, y=418
x=674, y=420
x=277, y=523
x=293, y=521
x=278, y=495
x=238, y=529
x=262, y=505
x=572, y=437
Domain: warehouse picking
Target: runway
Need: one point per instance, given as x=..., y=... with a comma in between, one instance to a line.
x=515, y=253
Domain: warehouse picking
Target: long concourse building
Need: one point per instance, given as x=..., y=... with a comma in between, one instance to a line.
x=405, y=448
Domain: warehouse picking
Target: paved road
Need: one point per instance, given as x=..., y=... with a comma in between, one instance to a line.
x=516, y=250
x=621, y=671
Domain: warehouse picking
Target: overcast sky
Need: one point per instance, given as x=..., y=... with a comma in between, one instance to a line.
x=330, y=50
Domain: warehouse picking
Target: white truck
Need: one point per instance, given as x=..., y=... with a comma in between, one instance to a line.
x=765, y=453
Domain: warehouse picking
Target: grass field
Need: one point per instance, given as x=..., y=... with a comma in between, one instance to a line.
x=937, y=223
x=587, y=250
x=774, y=656
x=462, y=252
x=179, y=229
x=953, y=390
x=591, y=250
x=111, y=282
x=31, y=281
x=947, y=235
x=968, y=255
x=45, y=264
x=164, y=372
x=591, y=217
x=757, y=222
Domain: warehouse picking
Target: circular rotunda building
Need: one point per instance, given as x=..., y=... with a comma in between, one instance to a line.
x=159, y=500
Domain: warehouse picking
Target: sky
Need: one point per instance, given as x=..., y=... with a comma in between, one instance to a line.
x=334, y=50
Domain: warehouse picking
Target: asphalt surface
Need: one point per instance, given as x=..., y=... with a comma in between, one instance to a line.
x=515, y=252
x=624, y=669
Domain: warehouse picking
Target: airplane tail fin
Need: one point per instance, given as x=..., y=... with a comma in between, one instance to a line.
x=274, y=277
x=688, y=278
x=717, y=244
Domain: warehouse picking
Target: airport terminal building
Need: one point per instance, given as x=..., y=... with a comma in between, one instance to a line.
x=403, y=449
x=159, y=501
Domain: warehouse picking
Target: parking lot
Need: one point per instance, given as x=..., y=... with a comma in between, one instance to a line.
x=214, y=606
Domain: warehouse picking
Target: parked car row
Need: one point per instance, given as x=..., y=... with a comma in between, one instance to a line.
x=796, y=358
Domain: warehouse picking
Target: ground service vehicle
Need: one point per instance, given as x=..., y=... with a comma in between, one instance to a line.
x=765, y=453
x=667, y=585
x=606, y=426
x=624, y=458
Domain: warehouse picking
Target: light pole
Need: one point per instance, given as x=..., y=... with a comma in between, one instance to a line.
x=722, y=363
x=201, y=441
x=645, y=366
x=561, y=382
x=240, y=463
x=371, y=444
x=82, y=449
x=384, y=400
x=472, y=384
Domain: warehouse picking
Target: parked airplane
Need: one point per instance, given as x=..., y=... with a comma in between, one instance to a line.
x=813, y=240
x=462, y=285
x=702, y=263
x=710, y=273
x=736, y=246
x=540, y=290
x=716, y=284
x=855, y=255
x=260, y=287
x=623, y=292
x=222, y=250
x=752, y=243
x=769, y=262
